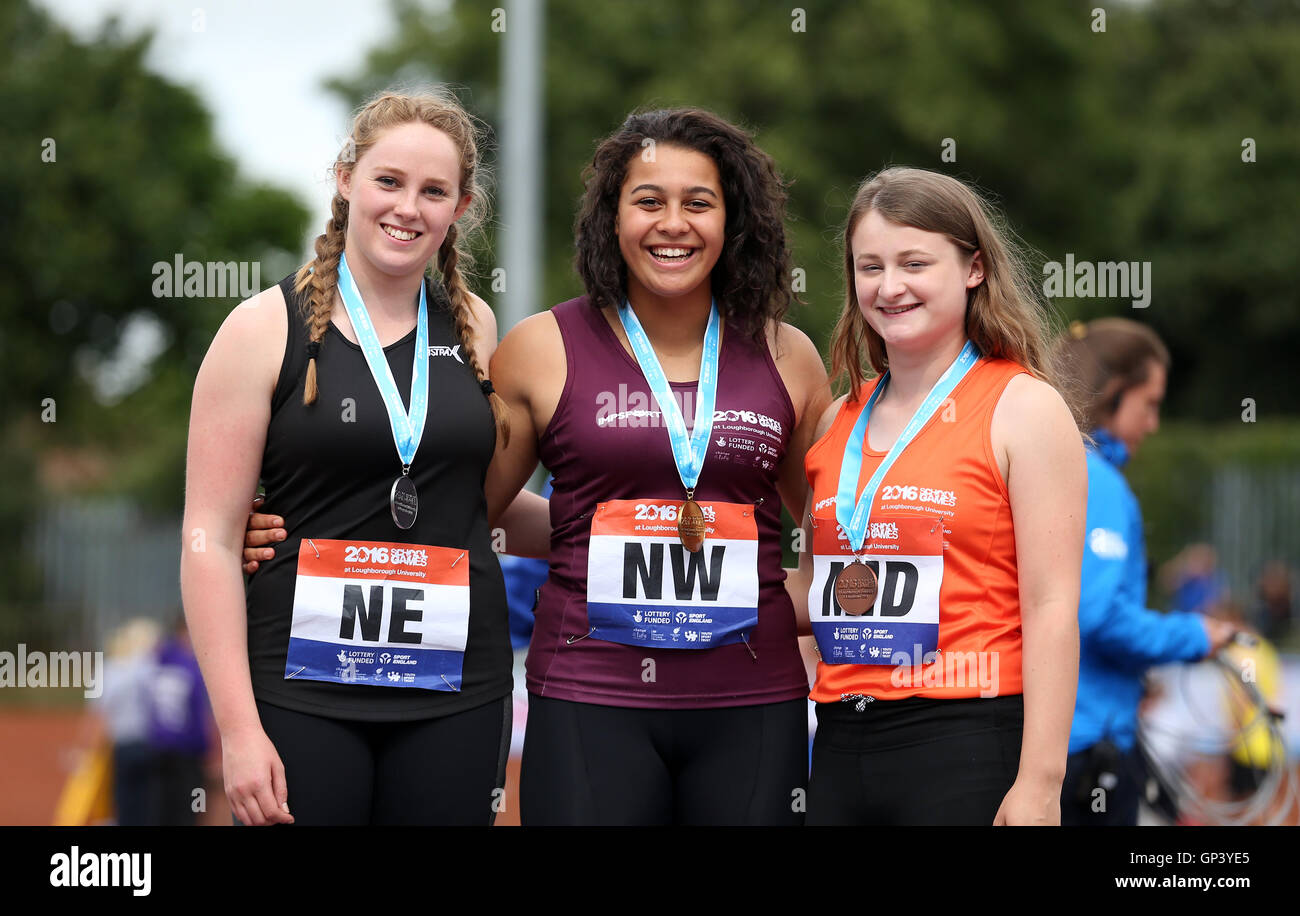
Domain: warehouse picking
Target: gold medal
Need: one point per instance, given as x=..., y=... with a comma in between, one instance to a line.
x=690, y=525
x=855, y=588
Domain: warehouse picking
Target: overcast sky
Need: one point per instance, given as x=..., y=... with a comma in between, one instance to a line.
x=259, y=66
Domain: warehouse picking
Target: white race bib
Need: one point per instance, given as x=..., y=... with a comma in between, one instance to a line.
x=645, y=589
x=906, y=554
x=376, y=613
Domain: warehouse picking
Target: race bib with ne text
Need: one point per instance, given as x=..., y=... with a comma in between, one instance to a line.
x=375, y=613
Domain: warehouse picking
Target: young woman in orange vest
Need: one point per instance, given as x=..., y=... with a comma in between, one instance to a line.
x=945, y=526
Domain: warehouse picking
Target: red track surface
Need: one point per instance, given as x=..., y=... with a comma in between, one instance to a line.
x=43, y=746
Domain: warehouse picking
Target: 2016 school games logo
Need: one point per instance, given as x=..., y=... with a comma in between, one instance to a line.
x=905, y=493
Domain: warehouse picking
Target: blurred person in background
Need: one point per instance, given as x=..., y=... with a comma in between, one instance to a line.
x=179, y=727
x=1219, y=732
x=126, y=703
x=1275, y=599
x=1193, y=579
x=1255, y=747
x=1120, y=369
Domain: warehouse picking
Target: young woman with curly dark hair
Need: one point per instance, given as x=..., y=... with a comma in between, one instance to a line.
x=665, y=681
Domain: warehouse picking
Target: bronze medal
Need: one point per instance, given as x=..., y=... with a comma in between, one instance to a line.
x=690, y=525
x=855, y=588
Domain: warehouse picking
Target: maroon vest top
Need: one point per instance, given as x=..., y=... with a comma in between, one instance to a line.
x=606, y=441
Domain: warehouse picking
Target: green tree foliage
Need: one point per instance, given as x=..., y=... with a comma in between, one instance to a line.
x=1122, y=144
x=110, y=169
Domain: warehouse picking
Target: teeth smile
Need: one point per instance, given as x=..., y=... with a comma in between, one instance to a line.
x=672, y=254
x=900, y=309
x=400, y=234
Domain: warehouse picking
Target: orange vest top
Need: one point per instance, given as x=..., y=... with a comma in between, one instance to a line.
x=949, y=471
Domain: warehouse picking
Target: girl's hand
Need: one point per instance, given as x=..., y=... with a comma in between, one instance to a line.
x=1030, y=803
x=254, y=779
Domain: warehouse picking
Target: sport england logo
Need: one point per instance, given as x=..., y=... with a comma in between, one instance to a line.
x=453, y=352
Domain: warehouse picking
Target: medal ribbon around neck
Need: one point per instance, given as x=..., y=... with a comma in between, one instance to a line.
x=854, y=515
x=688, y=452
x=407, y=429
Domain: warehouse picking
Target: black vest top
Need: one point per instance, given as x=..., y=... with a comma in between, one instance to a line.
x=328, y=469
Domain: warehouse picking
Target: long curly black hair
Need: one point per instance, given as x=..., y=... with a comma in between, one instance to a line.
x=751, y=281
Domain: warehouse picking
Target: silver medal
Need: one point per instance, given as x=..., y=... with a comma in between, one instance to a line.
x=403, y=502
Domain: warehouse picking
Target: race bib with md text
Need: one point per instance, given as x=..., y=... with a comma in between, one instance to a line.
x=906, y=554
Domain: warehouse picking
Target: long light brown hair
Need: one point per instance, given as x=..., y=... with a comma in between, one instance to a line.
x=1006, y=315
x=319, y=278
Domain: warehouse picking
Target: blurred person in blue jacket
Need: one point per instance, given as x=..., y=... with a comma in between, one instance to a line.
x=1120, y=368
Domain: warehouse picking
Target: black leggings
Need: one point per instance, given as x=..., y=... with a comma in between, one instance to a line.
x=586, y=764
x=914, y=761
x=449, y=770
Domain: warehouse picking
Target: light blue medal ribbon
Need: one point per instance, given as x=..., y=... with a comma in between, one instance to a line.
x=408, y=429
x=854, y=514
x=688, y=452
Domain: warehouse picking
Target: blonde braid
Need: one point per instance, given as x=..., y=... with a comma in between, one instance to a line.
x=448, y=256
x=322, y=275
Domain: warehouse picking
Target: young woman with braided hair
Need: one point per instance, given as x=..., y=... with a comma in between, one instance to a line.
x=367, y=670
